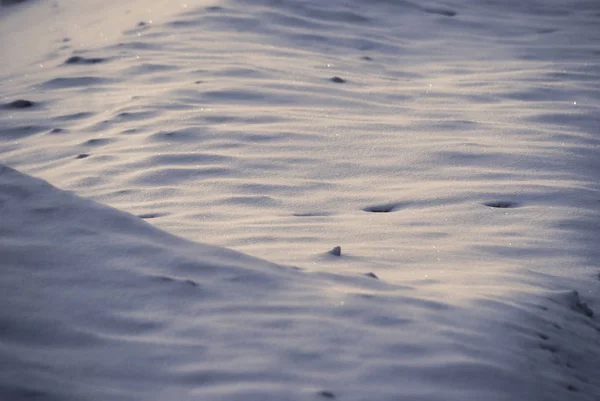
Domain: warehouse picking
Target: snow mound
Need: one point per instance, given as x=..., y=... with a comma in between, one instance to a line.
x=100, y=305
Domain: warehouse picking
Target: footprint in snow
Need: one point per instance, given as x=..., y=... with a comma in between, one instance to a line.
x=502, y=204
x=384, y=208
x=20, y=104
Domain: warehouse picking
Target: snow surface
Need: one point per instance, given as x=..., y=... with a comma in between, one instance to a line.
x=424, y=176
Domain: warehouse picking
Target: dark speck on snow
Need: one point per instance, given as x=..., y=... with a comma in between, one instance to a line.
x=20, y=104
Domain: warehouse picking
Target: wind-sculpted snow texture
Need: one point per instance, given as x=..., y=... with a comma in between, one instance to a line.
x=447, y=151
x=98, y=304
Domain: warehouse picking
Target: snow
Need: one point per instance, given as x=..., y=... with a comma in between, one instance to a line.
x=422, y=178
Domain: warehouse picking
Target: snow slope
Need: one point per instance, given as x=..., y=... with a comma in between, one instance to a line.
x=98, y=304
x=450, y=148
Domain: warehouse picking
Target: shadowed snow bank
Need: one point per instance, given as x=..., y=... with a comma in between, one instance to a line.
x=100, y=305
